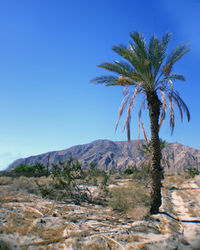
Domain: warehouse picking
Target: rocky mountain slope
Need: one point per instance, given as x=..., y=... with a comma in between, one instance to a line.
x=108, y=154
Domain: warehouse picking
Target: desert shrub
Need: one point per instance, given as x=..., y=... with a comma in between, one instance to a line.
x=105, y=179
x=142, y=173
x=5, y=180
x=96, y=176
x=128, y=197
x=67, y=182
x=40, y=168
x=92, y=174
x=191, y=172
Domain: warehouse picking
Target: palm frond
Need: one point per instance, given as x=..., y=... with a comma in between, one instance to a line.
x=126, y=67
x=139, y=63
x=142, y=106
x=117, y=67
x=132, y=104
x=182, y=104
x=177, y=53
x=107, y=80
x=179, y=106
x=122, y=107
x=128, y=130
x=145, y=134
x=157, y=53
x=164, y=108
x=140, y=44
x=171, y=84
x=172, y=120
x=176, y=77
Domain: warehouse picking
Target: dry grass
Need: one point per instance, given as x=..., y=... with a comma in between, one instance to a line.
x=194, y=212
x=138, y=212
x=16, y=223
x=130, y=238
x=142, y=246
x=174, y=180
x=125, y=198
x=46, y=232
x=6, y=180
x=164, y=227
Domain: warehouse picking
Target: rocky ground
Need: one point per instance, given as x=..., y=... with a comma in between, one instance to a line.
x=28, y=221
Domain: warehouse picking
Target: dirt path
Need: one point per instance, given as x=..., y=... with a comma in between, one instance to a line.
x=186, y=200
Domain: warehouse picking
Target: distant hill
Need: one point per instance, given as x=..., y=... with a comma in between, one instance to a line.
x=108, y=154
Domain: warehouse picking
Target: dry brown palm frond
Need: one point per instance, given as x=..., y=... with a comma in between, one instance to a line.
x=132, y=104
x=142, y=106
x=122, y=107
x=123, y=80
x=182, y=104
x=171, y=84
x=125, y=91
x=128, y=130
x=145, y=134
x=138, y=141
x=179, y=107
x=164, y=108
x=130, y=107
x=136, y=91
x=172, y=121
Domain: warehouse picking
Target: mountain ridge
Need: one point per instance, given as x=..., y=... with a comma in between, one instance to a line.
x=115, y=154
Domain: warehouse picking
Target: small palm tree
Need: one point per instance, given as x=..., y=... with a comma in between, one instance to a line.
x=146, y=150
x=148, y=72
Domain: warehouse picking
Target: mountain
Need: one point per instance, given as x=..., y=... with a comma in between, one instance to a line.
x=119, y=155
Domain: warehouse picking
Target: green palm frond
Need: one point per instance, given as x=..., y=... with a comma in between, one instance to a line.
x=117, y=67
x=126, y=67
x=139, y=63
x=157, y=53
x=177, y=53
x=140, y=45
x=176, y=77
x=107, y=80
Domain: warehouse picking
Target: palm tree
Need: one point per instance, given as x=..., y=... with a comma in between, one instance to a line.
x=147, y=71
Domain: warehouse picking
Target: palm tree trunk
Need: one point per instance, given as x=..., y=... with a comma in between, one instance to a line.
x=156, y=172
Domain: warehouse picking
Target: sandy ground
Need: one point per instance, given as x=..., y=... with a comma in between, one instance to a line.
x=187, y=207
x=29, y=222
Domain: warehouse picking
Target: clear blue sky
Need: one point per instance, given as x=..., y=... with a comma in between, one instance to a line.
x=49, y=52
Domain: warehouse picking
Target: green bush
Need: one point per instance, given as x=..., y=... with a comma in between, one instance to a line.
x=192, y=172
x=141, y=174
x=22, y=168
x=129, y=171
x=34, y=169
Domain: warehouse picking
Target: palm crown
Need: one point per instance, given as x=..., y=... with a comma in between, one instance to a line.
x=146, y=70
